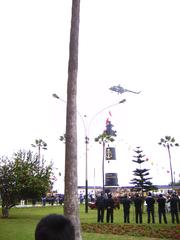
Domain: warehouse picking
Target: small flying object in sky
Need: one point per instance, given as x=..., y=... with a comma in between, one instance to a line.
x=121, y=90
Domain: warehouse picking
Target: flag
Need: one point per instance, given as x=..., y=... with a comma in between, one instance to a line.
x=107, y=121
x=109, y=115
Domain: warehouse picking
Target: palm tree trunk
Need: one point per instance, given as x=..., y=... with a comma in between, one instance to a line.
x=71, y=205
x=169, y=153
x=103, y=166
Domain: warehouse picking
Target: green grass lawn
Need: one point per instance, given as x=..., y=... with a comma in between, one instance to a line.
x=22, y=222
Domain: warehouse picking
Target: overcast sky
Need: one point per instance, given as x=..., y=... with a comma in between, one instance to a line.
x=132, y=43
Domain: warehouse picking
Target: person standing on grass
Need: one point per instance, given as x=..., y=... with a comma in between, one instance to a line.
x=100, y=204
x=126, y=202
x=162, y=208
x=150, y=201
x=109, y=208
x=54, y=227
x=174, y=201
x=138, y=201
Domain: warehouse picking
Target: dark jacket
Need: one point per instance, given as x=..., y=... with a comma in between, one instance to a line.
x=100, y=202
x=109, y=203
x=150, y=203
x=174, y=200
x=126, y=203
x=161, y=203
x=138, y=202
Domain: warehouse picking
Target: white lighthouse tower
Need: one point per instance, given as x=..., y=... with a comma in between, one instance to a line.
x=111, y=175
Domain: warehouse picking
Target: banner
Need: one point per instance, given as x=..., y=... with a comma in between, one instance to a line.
x=110, y=153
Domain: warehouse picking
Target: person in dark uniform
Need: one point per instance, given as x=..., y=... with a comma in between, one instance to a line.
x=126, y=202
x=109, y=208
x=174, y=201
x=150, y=201
x=100, y=204
x=162, y=208
x=138, y=202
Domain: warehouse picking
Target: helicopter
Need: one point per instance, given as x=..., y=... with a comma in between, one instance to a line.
x=121, y=90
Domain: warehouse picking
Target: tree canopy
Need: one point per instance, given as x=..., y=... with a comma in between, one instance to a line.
x=23, y=177
x=107, y=135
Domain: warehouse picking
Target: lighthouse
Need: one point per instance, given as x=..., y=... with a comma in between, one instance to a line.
x=111, y=176
x=110, y=165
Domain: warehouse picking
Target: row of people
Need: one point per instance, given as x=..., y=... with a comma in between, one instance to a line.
x=59, y=227
x=107, y=203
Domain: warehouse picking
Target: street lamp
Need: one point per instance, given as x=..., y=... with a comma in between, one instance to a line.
x=86, y=130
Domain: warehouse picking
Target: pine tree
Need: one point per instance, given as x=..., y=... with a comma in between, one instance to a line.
x=141, y=181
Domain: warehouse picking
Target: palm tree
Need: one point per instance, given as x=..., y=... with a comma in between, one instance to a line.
x=71, y=206
x=40, y=145
x=169, y=142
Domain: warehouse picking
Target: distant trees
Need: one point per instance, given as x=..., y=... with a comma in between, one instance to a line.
x=23, y=177
x=141, y=181
x=169, y=142
x=177, y=183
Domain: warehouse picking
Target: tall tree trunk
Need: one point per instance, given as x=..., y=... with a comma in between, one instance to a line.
x=103, y=166
x=5, y=212
x=170, y=163
x=71, y=205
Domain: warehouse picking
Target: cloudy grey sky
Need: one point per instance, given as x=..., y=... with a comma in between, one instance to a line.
x=132, y=43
